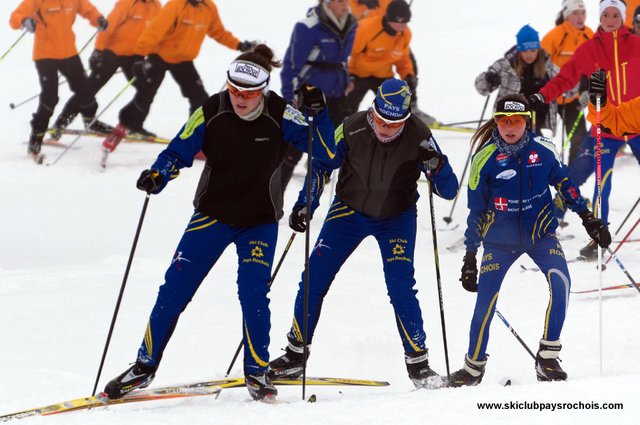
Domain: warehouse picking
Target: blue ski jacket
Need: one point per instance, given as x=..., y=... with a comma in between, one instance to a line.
x=509, y=199
x=317, y=55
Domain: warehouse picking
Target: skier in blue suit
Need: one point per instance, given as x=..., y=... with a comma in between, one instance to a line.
x=244, y=132
x=511, y=213
x=318, y=51
x=381, y=154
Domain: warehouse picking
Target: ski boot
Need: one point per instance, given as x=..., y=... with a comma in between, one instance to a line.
x=590, y=252
x=92, y=124
x=289, y=365
x=470, y=375
x=141, y=131
x=61, y=123
x=260, y=386
x=547, y=366
x=34, y=146
x=137, y=376
x=420, y=373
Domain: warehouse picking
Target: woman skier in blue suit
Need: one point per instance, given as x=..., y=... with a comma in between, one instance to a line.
x=511, y=213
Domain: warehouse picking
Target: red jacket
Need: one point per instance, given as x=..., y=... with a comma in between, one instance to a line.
x=617, y=52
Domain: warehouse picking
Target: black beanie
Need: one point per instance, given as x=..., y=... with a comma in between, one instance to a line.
x=398, y=11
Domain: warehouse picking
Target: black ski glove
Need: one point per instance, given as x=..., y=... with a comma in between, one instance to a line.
x=95, y=60
x=493, y=79
x=103, y=24
x=469, y=277
x=150, y=181
x=432, y=159
x=29, y=24
x=297, y=218
x=598, y=86
x=536, y=101
x=312, y=99
x=597, y=230
x=246, y=45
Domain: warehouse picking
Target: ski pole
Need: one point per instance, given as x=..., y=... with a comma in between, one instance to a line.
x=623, y=268
x=129, y=83
x=466, y=165
x=573, y=130
x=623, y=240
x=598, y=208
x=437, y=265
x=13, y=45
x=453, y=124
x=513, y=331
x=35, y=96
x=275, y=273
x=627, y=217
x=122, y=286
x=307, y=254
x=88, y=42
x=564, y=121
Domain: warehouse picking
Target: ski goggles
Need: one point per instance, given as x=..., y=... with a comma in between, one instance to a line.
x=383, y=122
x=242, y=92
x=517, y=119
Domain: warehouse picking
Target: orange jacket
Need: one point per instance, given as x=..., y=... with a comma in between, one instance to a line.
x=127, y=20
x=561, y=42
x=360, y=11
x=631, y=7
x=54, y=37
x=178, y=31
x=621, y=119
x=375, y=52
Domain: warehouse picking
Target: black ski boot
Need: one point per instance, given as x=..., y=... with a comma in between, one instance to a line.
x=420, y=373
x=98, y=126
x=590, y=252
x=141, y=131
x=260, y=386
x=547, y=366
x=35, y=143
x=137, y=376
x=289, y=365
x=471, y=374
x=61, y=123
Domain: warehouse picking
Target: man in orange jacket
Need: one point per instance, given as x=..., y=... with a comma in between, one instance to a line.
x=171, y=43
x=380, y=44
x=114, y=48
x=54, y=51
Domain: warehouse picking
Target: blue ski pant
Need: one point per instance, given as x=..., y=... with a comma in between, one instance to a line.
x=585, y=164
x=549, y=257
x=202, y=243
x=341, y=233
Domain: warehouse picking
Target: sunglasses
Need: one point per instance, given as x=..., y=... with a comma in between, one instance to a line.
x=386, y=123
x=505, y=120
x=245, y=94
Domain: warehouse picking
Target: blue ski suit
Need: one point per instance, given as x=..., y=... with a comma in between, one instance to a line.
x=376, y=195
x=238, y=200
x=510, y=214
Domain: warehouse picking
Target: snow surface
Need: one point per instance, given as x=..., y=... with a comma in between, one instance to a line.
x=66, y=232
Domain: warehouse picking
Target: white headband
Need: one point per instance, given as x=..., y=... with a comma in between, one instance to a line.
x=614, y=3
x=247, y=75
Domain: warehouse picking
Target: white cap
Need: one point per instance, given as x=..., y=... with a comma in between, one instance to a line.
x=568, y=6
x=614, y=3
x=247, y=75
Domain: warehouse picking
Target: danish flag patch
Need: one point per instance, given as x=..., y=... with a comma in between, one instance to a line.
x=501, y=204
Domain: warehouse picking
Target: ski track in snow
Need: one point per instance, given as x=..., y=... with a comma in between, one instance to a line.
x=66, y=232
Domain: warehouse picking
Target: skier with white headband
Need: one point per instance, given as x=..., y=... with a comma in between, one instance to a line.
x=244, y=132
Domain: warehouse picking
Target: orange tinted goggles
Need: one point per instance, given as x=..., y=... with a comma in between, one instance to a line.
x=515, y=120
x=245, y=94
x=383, y=123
